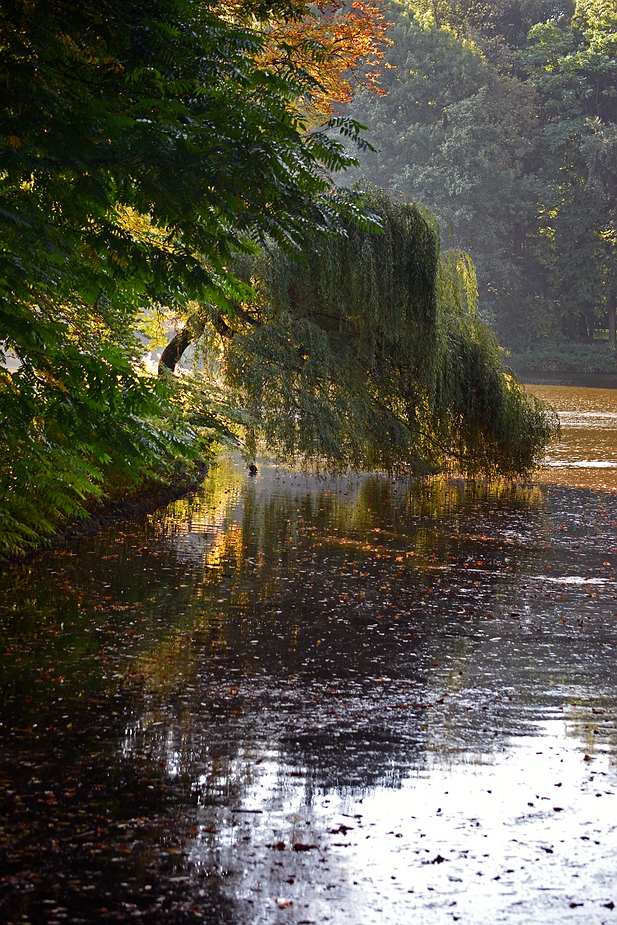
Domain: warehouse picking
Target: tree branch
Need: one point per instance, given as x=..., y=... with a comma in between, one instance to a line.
x=194, y=328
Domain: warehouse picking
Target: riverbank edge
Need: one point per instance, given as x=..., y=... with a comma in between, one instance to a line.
x=564, y=359
x=148, y=499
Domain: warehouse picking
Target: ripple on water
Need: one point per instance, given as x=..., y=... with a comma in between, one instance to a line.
x=587, y=451
x=299, y=700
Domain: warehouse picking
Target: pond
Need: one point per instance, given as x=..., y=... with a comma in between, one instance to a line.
x=295, y=700
x=587, y=452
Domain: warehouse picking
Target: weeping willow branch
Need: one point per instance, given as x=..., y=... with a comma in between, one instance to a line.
x=398, y=370
x=173, y=352
x=366, y=351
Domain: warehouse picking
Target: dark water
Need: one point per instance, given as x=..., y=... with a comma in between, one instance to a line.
x=297, y=701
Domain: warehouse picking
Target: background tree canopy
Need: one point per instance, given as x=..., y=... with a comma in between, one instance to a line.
x=501, y=117
x=145, y=148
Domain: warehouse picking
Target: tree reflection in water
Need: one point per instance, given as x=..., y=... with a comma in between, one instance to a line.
x=289, y=697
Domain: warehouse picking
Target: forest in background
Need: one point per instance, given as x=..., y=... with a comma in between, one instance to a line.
x=501, y=116
x=173, y=163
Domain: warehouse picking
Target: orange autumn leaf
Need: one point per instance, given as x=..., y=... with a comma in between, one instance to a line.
x=339, y=45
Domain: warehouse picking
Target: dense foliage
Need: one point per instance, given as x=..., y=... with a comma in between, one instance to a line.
x=368, y=351
x=501, y=117
x=142, y=143
x=147, y=149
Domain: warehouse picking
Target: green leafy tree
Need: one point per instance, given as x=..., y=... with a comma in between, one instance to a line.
x=573, y=62
x=141, y=145
x=146, y=150
x=499, y=116
x=456, y=134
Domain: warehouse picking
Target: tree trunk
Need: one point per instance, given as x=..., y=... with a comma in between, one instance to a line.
x=172, y=354
x=612, y=324
x=194, y=328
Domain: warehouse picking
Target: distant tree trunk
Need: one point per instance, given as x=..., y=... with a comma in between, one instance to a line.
x=585, y=325
x=612, y=323
x=172, y=354
x=192, y=330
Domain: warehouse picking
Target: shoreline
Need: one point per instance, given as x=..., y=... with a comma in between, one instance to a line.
x=150, y=499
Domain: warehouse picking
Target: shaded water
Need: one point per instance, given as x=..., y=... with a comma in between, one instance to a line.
x=292, y=700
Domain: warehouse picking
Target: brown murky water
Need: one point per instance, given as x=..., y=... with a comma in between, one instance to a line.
x=302, y=701
x=587, y=453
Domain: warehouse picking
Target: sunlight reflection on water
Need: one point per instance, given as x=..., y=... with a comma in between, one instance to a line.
x=588, y=444
x=476, y=791
x=293, y=699
x=517, y=836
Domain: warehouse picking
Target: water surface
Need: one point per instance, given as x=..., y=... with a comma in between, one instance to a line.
x=294, y=700
x=587, y=452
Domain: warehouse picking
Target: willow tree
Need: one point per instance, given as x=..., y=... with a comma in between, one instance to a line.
x=365, y=350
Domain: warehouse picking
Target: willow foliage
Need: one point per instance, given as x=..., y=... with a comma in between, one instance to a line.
x=482, y=420
x=367, y=352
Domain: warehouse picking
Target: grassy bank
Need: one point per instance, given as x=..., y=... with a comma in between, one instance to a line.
x=596, y=357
